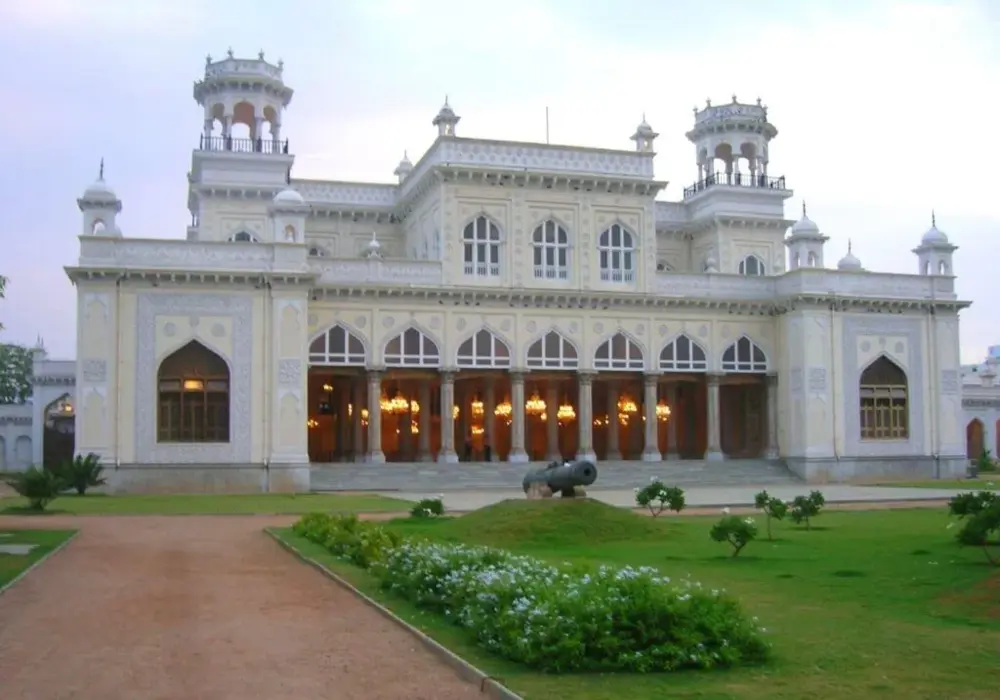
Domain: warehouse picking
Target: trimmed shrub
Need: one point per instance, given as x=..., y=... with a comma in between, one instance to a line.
x=658, y=497
x=82, y=472
x=39, y=486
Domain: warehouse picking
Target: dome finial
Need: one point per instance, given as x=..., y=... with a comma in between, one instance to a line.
x=933, y=219
x=848, y=246
x=100, y=171
x=803, y=208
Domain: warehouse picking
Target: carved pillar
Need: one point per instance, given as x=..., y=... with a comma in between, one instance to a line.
x=463, y=401
x=358, y=439
x=447, y=453
x=209, y=123
x=424, y=422
x=614, y=430
x=517, y=454
x=651, y=450
x=552, y=452
x=672, y=392
x=714, y=451
x=489, y=418
x=771, y=452
x=375, y=453
x=585, y=417
x=343, y=422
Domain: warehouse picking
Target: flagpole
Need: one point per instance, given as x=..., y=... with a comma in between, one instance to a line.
x=546, y=124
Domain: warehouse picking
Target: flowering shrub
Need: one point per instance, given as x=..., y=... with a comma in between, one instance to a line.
x=428, y=508
x=347, y=538
x=772, y=508
x=806, y=507
x=658, y=497
x=982, y=527
x=970, y=504
x=735, y=530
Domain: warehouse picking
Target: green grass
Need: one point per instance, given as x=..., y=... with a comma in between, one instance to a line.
x=869, y=604
x=986, y=482
x=208, y=504
x=11, y=565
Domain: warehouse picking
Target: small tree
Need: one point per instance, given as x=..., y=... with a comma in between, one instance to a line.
x=735, y=530
x=39, y=486
x=428, y=508
x=771, y=507
x=804, y=508
x=981, y=527
x=658, y=497
x=970, y=504
x=82, y=472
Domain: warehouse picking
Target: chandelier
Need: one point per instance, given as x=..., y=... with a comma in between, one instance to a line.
x=455, y=410
x=662, y=412
x=414, y=407
x=312, y=423
x=535, y=406
x=328, y=388
x=397, y=405
x=414, y=427
x=504, y=411
x=477, y=409
x=364, y=413
x=566, y=413
x=627, y=405
x=478, y=430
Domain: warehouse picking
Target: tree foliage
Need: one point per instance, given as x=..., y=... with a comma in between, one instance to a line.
x=3, y=285
x=15, y=373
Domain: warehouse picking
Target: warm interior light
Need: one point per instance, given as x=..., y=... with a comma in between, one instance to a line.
x=566, y=413
x=312, y=422
x=662, y=411
x=414, y=427
x=476, y=408
x=627, y=405
x=350, y=410
x=535, y=406
x=478, y=430
x=327, y=388
x=194, y=385
x=414, y=407
x=504, y=411
x=455, y=410
x=399, y=405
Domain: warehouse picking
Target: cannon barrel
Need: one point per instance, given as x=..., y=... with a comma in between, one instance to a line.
x=558, y=477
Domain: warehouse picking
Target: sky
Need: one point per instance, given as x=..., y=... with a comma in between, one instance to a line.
x=884, y=110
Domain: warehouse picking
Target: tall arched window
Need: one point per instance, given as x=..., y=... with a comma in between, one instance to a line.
x=616, y=252
x=552, y=351
x=744, y=356
x=338, y=346
x=683, y=355
x=752, y=266
x=812, y=259
x=411, y=348
x=483, y=350
x=884, y=406
x=551, y=244
x=242, y=237
x=618, y=352
x=481, y=240
x=193, y=396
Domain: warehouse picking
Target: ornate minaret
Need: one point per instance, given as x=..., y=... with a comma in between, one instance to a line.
x=805, y=243
x=100, y=206
x=934, y=254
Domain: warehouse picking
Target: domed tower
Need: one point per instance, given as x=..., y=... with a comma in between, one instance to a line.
x=850, y=262
x=934, y=254
x=404, y=168
x=446, y=120
x=805, y=243
x=644, y=136
x=100, y=206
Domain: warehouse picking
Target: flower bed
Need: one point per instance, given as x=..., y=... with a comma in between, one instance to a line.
x=555, y=618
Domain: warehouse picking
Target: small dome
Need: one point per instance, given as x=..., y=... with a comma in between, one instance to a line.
x=934, y=236
x=289, y=196
x=374, y=248
x=805, y=225
x=849, y=261
x=404, y=167
x=100, y=190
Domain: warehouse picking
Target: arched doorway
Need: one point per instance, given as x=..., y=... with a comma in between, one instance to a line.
x=193, y=396
x=974, y=439
x=58, y=436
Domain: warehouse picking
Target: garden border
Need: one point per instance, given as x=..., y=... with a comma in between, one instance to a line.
x=38, y=562
x=488, y=685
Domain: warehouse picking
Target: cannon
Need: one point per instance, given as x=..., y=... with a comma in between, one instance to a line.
x=567, y=478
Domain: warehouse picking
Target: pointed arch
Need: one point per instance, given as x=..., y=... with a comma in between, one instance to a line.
x=616, y=252
x=243, y=237
x=744, y=356
x=975, y=442
x=481, y=239
x=483, y=349
x=752, y=266
x=411, y=347
x=193, y=395
x=884, y=400
x=619, y=352
x=552, y=350
x=683, y=354
x=550, y=242
x=339, y=347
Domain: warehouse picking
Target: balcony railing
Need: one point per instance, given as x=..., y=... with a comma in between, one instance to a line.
x=736, y=180
x=234, y=145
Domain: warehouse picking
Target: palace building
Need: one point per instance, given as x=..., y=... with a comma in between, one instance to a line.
x=499, y=302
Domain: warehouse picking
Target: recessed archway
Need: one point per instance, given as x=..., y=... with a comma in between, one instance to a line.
x=58, y=434
x=975, y=439
x=193, y=384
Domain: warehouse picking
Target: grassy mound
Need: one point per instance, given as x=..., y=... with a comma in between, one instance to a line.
x=546, y=523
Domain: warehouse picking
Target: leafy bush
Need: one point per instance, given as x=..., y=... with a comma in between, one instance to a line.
x=735, y=530
x=558, y=619
x=39, y=486
x=658, y=497
x=985, y=463
x=772, y=508
x=980, y=526
x=348, y=538
x=82, y=472
x=970, y=503
x=428, y=508
x=804, y=508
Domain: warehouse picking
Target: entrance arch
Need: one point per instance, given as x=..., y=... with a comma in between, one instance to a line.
x=743, y=399
x=975, y=441
x=58, y=433
x=193, y=396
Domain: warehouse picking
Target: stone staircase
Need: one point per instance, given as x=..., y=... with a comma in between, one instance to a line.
x=474, y=476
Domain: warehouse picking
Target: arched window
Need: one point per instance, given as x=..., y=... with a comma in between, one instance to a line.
x=411, y=348
x=551, y=252
x=663, y=266
x=942, y=267
x=316, y=252
x=242, y=237
x=290, y=234
x=683, y=355
x=812, y=259
x=975, y=441
x=193, y=396
x=483, y=350
x=618, y=352
x=98, y=229
x=883, y=396
x=744, y=356
x=481, y=240
x=752, y=266
x=616, y=252
x=337, y=346
x=552, y=351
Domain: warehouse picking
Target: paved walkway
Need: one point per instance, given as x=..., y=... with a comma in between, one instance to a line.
x=198, y=608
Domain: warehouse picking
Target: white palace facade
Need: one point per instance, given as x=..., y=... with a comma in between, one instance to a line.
x=500, y=302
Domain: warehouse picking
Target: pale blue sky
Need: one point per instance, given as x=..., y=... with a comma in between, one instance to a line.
x=884, y=109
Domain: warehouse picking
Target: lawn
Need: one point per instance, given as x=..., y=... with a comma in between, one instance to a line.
x=986, y=483
x=11, y=565
x=869, y=604
x=209, y=504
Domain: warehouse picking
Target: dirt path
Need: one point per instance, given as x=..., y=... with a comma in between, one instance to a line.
x=161, y=608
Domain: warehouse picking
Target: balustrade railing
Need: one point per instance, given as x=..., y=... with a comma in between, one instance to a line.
x=736, y=180
x=240, y=145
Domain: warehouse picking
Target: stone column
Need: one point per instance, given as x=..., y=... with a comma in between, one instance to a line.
x=585, y=417
x=714, y=451
x=424, y=422
x=651, y=450
x=464, y=400
x=343, y=421
x=614, y=430
x=375, y=453
x=358, y=438
x=672, y=452
x=552, y=452
x=489, y=418
x=771, y=452
x=447, y=453
x=517, y=454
